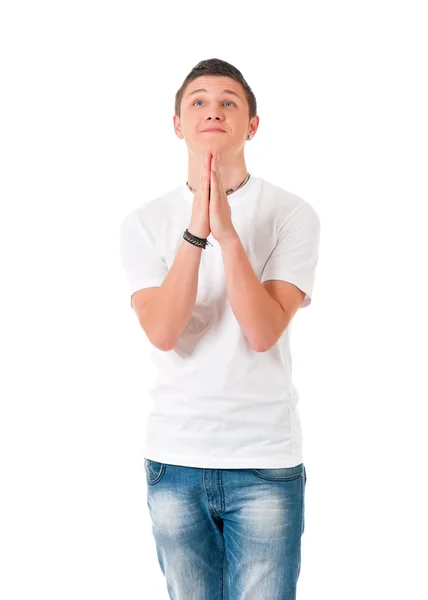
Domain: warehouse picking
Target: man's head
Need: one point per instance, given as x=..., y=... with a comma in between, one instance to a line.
x=234, y=110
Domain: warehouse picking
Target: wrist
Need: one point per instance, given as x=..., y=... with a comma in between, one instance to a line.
x=229, y=239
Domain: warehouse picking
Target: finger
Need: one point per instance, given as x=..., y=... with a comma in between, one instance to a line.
x=215, y=177
x=205, y=178
x=213, y=172
x=206, y=163
x=214, y=190
x=214, y=165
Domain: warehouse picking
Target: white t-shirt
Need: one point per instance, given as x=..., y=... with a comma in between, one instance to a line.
x=217, y=403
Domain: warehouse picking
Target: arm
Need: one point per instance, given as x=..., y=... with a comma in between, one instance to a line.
x=288, y=278
x=261, y=317
x=169, y=311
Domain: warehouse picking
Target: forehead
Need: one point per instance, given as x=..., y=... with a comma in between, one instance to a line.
x=214, y=85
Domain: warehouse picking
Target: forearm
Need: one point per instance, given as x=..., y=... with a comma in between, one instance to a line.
x=258, y=314
x=172, y=308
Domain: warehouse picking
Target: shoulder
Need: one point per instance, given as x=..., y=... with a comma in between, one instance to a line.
x=153, y=212
x=285, y=203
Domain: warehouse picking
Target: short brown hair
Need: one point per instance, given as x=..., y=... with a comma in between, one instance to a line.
x=215, y=66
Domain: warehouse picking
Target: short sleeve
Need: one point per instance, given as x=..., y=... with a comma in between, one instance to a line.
x=142, y=266
x=295, y=255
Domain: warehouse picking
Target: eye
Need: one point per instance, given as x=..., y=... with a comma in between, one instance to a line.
x=230, y=101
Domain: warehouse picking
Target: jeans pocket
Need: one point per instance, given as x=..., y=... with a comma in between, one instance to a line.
x=154, y=470
x=281, y=474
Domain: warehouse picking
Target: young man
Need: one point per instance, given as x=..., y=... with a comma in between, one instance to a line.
x=223, y=454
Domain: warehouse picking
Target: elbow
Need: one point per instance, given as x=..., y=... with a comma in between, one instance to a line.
x=268, y=342
x=261, y=346
x=157, y=341
x=166, y=345
x=160, y=337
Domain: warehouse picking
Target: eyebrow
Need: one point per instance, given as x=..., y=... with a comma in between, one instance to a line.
x=224, y=91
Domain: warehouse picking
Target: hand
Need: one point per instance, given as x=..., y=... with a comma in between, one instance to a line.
x=199, y=222
x=220, y=212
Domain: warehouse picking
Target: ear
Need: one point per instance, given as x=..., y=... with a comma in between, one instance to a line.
x=177, y=127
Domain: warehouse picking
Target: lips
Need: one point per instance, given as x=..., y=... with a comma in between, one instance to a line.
x=214, y=129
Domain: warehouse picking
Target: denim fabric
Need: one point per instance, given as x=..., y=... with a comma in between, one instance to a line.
x=227, y=534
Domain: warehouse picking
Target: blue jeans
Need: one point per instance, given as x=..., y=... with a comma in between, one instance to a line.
x=227, y=534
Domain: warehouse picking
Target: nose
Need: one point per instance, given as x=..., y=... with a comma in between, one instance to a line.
x=218, y=119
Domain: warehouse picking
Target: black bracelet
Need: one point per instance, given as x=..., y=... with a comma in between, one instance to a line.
x=196, y=241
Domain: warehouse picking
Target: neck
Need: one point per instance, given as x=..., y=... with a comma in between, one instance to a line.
x=232, y=171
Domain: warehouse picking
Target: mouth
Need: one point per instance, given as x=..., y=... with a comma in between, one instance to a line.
x=213, y=131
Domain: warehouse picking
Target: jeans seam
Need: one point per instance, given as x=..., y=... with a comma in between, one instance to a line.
x=302, y=502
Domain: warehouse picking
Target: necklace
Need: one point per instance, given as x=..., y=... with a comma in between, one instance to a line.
x=227, y=191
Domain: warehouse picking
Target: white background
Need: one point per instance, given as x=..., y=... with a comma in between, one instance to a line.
x=87, y=104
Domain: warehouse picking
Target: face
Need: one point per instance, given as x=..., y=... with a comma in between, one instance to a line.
x=215, y=107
